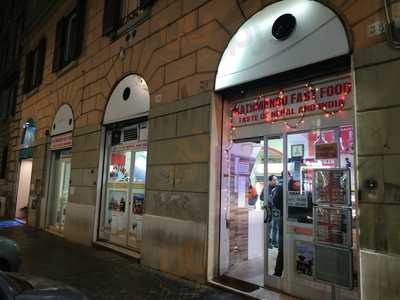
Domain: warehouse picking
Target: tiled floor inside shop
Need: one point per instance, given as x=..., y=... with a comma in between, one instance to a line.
x=253, y=270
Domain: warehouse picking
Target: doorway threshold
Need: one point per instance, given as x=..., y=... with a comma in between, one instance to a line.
x=250, y=291
x=118, y=249
x=55, y=232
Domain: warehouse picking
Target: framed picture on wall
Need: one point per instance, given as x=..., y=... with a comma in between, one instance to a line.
x=297, y=150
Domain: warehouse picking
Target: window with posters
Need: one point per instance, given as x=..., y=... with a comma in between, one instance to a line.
x=301, y=169
x=125, y=174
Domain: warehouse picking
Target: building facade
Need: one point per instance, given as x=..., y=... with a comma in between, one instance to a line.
x=153, y=128
x=12, y=25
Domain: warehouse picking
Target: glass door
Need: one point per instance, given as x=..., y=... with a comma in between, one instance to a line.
x=115, y=223
x=242, y=213
x=122, y=211
x=59, y=199
x=136, y=203
x=273, y=196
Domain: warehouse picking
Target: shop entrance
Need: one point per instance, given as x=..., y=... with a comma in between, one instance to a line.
x=252, y=232
x=121, y=205
x=242, y=220
x=269, y=206
x=288, y=203
x=60, y=190
x=289, y=121
x=24, y=185
x=125, y=174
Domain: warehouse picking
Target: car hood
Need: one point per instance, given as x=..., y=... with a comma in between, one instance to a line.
x=48, y=289
x=39, y=282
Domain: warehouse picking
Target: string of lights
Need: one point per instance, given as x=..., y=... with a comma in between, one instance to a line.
x=310, y=90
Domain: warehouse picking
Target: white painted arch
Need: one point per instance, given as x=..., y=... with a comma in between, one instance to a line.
x=63, y=120
x=137, y=104
x=254, y=53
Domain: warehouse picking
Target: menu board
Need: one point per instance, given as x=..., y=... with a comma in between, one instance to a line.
x=332, y=186
x=326, y=151
x=332, y=226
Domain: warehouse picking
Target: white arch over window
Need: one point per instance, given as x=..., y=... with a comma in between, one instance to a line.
x=254, y=53
x=130, y=99
x=63, y=121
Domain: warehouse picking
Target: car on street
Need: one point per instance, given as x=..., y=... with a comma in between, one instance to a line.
x=14, y=286
x=10, y=255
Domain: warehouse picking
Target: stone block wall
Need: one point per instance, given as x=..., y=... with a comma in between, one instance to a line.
x=80, y=210
x=176, y=207
x=378, y=110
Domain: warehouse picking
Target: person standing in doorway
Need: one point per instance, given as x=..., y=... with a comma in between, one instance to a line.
x=272, y=222
x=277, y=213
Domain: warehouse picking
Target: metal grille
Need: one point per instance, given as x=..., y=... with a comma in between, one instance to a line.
x=130, y=134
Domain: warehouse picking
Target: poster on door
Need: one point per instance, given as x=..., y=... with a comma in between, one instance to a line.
x=332, y=226
x=117, y=200
x=331, y=186
x=119, y=168
x=304, y=258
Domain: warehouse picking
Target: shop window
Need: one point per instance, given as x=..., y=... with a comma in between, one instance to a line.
x=69, y=37
x=34, y=64
x=311, y=150
x=124, y=13
x=123, y=206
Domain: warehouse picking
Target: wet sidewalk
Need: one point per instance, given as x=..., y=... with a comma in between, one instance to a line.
x=101, y=274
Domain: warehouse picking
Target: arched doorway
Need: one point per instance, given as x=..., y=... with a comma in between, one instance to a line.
x=286, y=83
x=25, y=170
x=60, y=169
x=124, y=164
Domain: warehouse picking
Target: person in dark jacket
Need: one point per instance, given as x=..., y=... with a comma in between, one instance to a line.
x=272, y=224
x=277, y=213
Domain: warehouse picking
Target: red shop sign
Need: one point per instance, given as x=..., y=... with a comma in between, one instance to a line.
x=61, y=141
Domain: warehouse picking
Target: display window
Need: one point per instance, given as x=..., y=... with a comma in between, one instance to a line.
x=331, y=148
x=61, y=173
x=124, y=193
